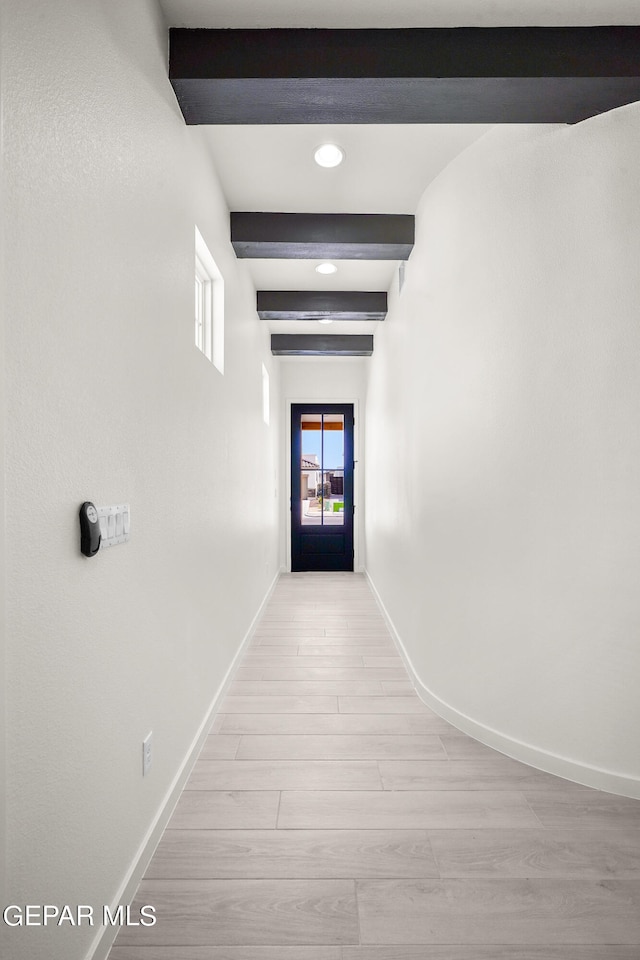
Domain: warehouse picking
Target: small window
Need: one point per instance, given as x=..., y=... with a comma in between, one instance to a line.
x=265, y=395
x=209, y=305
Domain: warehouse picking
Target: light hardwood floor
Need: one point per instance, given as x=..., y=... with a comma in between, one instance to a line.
x=333, y=816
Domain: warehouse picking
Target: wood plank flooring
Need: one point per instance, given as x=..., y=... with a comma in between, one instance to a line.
x=332, y=816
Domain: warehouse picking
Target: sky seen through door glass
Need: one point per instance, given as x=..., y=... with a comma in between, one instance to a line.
x=333, y=447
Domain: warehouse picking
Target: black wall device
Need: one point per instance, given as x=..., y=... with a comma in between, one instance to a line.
x=89, y=529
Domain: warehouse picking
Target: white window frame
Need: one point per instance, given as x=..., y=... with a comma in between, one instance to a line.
x=202, y=309
x=209, y=304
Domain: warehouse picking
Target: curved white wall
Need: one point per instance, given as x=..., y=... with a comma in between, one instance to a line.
x=503, y=449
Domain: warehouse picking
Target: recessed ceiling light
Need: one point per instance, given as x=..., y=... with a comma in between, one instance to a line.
x=329, y=155
x=325, y=320
x=326, y=268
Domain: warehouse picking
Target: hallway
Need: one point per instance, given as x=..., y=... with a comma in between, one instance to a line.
x=333, y=816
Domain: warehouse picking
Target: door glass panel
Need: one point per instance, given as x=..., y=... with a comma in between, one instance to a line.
x=333, y=469
x=311, y=469
x=322, y=469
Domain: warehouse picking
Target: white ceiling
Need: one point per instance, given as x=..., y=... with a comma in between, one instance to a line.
x=387, y=167
x=385, y=170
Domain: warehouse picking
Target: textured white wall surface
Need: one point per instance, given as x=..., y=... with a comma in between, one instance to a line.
x=503, y=449
x=109, y=400
x=323, y=380
x=3, y=567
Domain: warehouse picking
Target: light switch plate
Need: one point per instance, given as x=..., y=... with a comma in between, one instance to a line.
x=115, y=524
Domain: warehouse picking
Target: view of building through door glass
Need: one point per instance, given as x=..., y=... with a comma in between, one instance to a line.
x=322, y=469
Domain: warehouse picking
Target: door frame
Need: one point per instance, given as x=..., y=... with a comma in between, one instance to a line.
x=357, y=475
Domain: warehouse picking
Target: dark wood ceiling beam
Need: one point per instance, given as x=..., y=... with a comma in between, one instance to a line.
x=316, y=304
x=321, y=236
x=454, y=75
x=321, y=345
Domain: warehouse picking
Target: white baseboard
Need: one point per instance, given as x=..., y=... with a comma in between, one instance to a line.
x=588, y=776
x=105, y=937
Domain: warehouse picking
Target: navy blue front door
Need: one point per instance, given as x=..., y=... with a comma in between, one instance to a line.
x=321, y=486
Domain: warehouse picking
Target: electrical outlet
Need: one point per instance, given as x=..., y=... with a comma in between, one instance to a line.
x=147, y=744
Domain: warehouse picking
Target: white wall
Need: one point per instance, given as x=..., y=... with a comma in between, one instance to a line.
x=109, y=400
x=503, y=449
x=323, y=380
x=3, y=568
